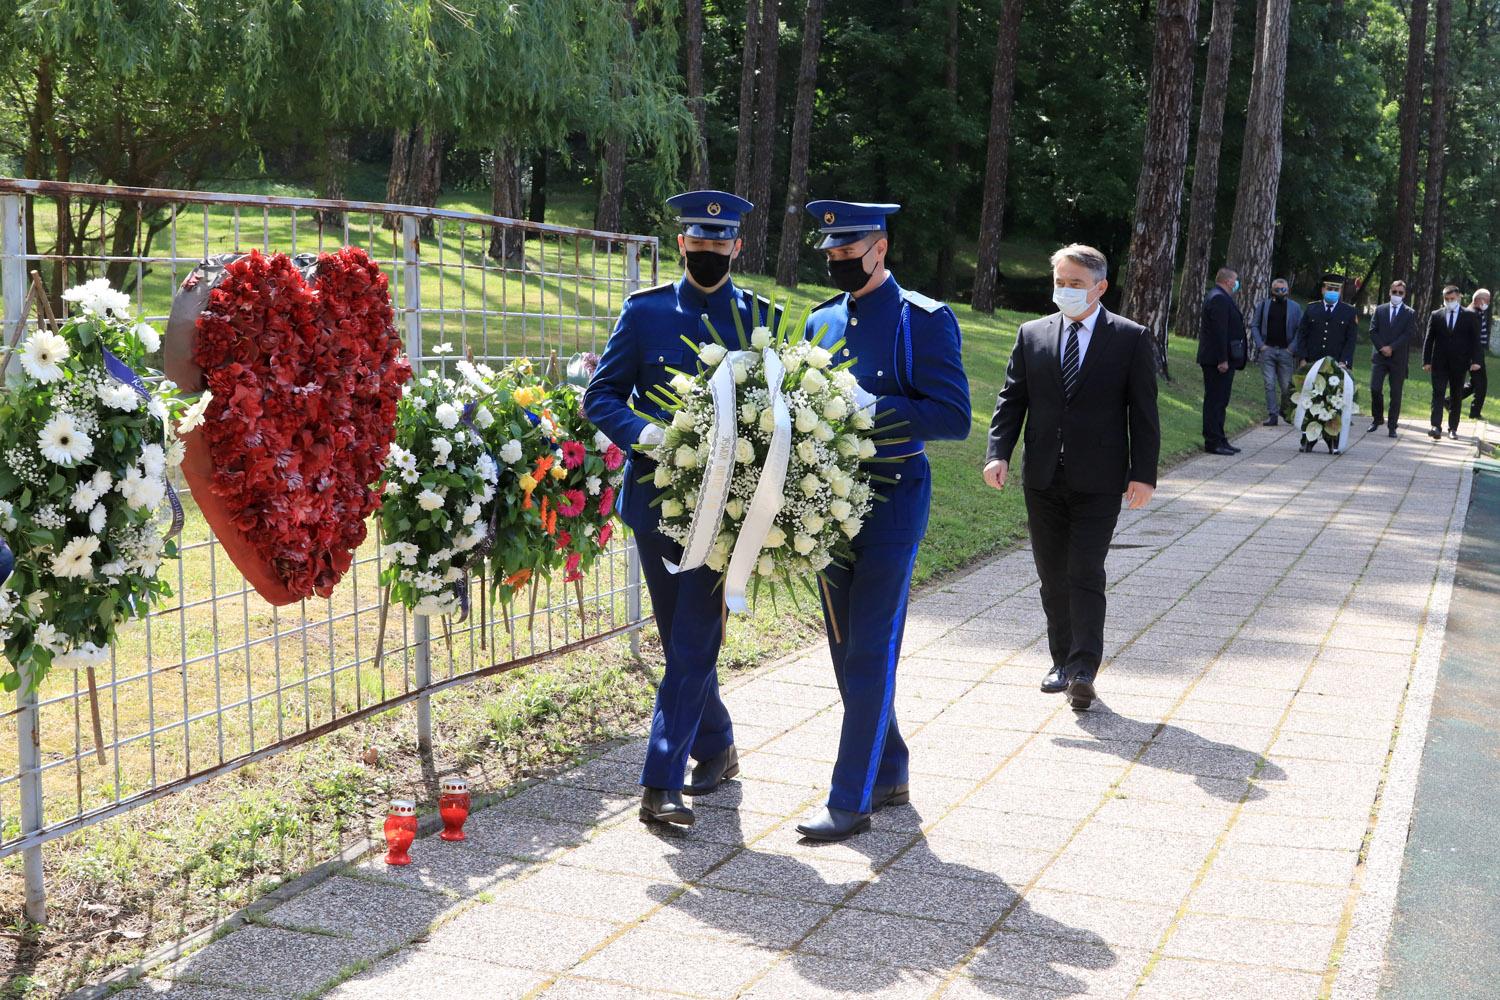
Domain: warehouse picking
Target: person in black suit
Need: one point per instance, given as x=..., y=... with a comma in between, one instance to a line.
x=1479, y=380
x=1329, y=328
x=1450, y=351
x=1390, y=337
x=1081, y=386
x=1221, y=352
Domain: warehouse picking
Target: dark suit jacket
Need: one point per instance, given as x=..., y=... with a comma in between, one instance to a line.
x=1109, y=430
x=1393, y=329
x=1222, y=324
x=1326, y=332
x=1454, y=351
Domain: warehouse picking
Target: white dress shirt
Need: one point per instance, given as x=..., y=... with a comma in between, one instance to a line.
x=1085, y=333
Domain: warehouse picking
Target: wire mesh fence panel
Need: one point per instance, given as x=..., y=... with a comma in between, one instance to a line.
x=219, y=677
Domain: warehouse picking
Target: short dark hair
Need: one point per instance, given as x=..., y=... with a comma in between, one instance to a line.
x=1398, y=281
x=1449, y=288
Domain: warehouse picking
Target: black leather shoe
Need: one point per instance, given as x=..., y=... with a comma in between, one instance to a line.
x=834, y=824
x=1055, y=682
x=1436, y=434
x=665, y=805
x=1081, y=693
x=1453, y=435
x=1375, y=426
x=710, y=774
x=1221, y=450
x=1269, y=421
x=1233, y=449
x=1391, y=432
x=889, y=795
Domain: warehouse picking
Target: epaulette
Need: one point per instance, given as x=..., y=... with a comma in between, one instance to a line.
x=654, y=288
x=921, y=301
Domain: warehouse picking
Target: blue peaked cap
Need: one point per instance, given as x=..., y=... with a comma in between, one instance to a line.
x=845, y=222
x=709, y=215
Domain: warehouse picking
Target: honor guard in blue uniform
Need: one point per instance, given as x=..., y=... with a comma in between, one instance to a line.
x=908, y=360
x=647, y=344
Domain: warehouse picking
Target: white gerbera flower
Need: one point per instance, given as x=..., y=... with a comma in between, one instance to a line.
x=447, y=415
x=43, y=355
x=97, y=298
x=76, y=558
x=63, y=443
x=193, y=418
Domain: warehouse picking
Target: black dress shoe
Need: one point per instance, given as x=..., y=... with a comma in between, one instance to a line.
x=1221, y=450
x=1436, y=434
x=1081, y=693
x=834, y=824
x=1453, y=435
x=665, y=805
x=889, y=795
x=1269, y=421
x=1055, y=682
x=1375, y=426
x=1391, y=432
x=710, y=774
x=1233, y=449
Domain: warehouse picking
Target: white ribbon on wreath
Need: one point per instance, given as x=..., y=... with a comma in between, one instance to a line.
x=1347, y=417
x=768, y=498
x=718, y=472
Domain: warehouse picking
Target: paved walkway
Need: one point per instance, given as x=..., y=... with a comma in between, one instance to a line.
x=1228, y=823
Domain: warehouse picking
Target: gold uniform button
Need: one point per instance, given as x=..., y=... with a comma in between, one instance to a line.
x=854, y=321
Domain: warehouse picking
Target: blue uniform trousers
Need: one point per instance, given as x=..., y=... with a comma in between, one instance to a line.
x=689, y=717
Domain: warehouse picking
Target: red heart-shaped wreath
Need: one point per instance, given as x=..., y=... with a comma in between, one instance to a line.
x=305, y=367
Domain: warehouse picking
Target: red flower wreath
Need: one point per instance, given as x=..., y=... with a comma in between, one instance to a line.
x=305, y=371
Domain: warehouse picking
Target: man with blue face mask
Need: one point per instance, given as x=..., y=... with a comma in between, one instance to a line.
x=1329, y=328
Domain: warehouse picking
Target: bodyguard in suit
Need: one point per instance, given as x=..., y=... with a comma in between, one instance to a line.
x=1220, y=333
x=908, y=359
x=1450, y=352
x=690, y=718
x=1479, y=380
x=1390, y=336
x=1273, y=324
x=1080, y=390
x=1329, y=328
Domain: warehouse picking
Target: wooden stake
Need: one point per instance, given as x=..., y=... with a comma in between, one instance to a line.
x=385, y=610
x=94, y=710
x=578, y=589
x=833, y=620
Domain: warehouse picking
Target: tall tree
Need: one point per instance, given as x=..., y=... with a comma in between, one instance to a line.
x=796, y=185
x=945, y=277
x=536, y=211
x=612, y=169
x=1428, y=274
x=744, y=149
x=1158, y=194
x=997, y=157
x=507, y=243
x=1403, y=236
x=1253, y=233
x=1204, y=198
x=416, y=176
x=767, y=53
x=698, y=174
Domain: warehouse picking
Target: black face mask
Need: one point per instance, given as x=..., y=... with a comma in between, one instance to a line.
x=849, y=275
x=707, y=267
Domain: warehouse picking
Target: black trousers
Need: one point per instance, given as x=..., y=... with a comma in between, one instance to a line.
x=1381, y=368
x=1216, y=388
x=1070, y=534
x=1478, y=383
x=1447, y=391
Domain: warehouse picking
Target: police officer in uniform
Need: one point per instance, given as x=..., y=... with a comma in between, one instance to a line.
x=690, y=718
x=909, y=363
x=1329, y=328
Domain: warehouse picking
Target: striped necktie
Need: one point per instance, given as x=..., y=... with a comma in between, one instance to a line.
x=1070, y=361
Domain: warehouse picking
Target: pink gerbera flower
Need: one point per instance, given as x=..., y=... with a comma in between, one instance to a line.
x=613, y=458
x=573, y=454
x=576, y=503
x=607, y=501
x=574, y=559
x=606, y=533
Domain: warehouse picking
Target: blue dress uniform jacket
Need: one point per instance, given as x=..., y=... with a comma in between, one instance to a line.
x=907, y=352
x=1327, y=331
x=646, y=345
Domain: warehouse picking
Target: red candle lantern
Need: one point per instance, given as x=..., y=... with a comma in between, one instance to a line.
x=453, y=806
x=400, y=831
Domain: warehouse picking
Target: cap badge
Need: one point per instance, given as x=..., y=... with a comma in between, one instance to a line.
x=714, y=208
x=828, y=218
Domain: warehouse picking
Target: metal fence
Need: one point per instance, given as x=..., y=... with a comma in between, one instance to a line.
x=220, y=678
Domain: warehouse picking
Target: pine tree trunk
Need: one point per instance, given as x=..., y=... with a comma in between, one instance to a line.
x=1403, y=236
x=945, y=280
x=698, y=173
x=1204, y=198
x=333, y=172
x=507, y=243
x=796, y=186
x=767, y=51
x=1158, y=196
x=744, y=150
x=537, y=212
x=611, y=184
x=416, y=176
x=997, y=158
x=1437, y=139
x=1253, y=231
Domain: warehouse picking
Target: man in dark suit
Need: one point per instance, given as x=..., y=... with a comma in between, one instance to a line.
x=1479, y=305
x=1082, y=385
x=1329, y=328
x=1450, y=351
x=1390, y=336
x=1220, y=333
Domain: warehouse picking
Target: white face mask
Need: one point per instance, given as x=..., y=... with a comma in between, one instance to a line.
x=1396, y=300
x=1072, y=301
x=1451, y=305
